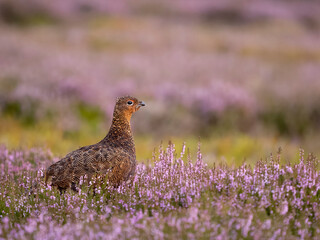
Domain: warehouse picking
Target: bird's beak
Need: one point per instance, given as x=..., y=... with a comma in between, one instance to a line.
x=141, y=104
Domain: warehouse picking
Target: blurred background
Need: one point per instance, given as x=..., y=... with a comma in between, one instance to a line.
x=243, y=76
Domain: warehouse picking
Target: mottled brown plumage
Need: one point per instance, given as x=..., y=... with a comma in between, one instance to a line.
x=114, y=154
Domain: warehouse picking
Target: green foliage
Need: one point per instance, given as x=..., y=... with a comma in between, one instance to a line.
x=12, y=14
x=290, y=121
x=25, y=112
x=91, y=115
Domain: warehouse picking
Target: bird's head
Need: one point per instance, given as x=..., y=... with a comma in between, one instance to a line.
x=127, y=106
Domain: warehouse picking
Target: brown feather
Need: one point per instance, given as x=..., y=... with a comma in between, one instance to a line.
x=115, y=153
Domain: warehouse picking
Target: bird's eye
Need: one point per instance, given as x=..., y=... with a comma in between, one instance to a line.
x=129, y=102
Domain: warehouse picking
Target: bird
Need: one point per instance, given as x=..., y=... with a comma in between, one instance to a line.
x=113, y=156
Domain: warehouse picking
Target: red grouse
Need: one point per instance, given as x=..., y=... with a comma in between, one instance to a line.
x=114, y=154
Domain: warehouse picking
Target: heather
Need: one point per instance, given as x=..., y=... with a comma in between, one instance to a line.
x=174, y=196
x=36, y=11
x=199, y=76
x=241, y=77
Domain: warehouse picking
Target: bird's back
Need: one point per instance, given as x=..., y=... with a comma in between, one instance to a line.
x=88, y=160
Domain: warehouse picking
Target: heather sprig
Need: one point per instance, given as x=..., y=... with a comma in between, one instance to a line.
x=170, y=197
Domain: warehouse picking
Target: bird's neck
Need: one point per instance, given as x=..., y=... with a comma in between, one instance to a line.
x=120, y=134
x=120, y=127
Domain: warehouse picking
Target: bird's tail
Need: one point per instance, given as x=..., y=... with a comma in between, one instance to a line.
x=48, y=174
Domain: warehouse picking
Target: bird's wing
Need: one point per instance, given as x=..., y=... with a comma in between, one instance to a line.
x=123, y=167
